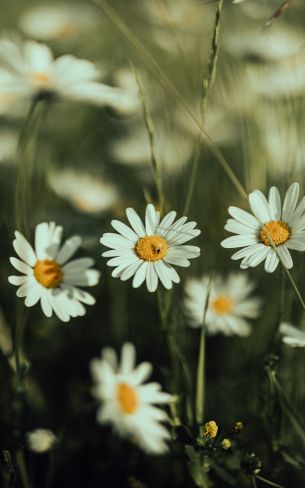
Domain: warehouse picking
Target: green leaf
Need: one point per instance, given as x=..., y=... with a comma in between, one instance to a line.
x=197, y=471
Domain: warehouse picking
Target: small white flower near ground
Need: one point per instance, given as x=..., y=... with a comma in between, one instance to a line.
x=128, y=404
x=230, y=305
x=40, y=440
x=284, y=224
x=148, y=251
x=48, y=277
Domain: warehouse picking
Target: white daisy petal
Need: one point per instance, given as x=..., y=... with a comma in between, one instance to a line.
x=271, y=261
x=243, y=217
x=237, y=228
x=135, y=222
x=69, y=248
x=33, y=296
x=239, y=241
x=130, y=270
x=78, y=265
x=151, y=220
x=162, y=271
x=275, y=203
x=20, y=266
x=128, y=358
x=24, y=249
x=151, y=278
x=290, y=201
x=115, y=241
x=285, y=257
x=295, y=244
x=45, y=304
x=26, y=288
x=140, y=275
x=259, y=206
x=124, y=230
x=18, y=280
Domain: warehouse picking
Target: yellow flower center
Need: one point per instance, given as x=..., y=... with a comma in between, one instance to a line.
x=222, y=304
x=277, y=230
x=41, y=79
x=48, y=273
x=66, y=31
x=127, y=398
x=151, y=248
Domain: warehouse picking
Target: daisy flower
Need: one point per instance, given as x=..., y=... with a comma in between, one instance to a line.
x=230, y=304
x=127, y=403
x=88, y=194
x=285, y=225
x=292, y=336
x=49, y=277
x=30, y=70
x=40, y=440
x=56, y=22
x=148, y=251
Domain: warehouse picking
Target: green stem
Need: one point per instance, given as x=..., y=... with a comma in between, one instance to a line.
x=206, y=87
x=165, y=81
x=155, y=163
x=200, y=390
x=175, y=353
x=268, y=482
x=22, y=469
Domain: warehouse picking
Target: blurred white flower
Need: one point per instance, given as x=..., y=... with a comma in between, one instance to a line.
x=30, y=70
x=127, y=403
x=40, y=440
x=88, y=194
x=284, y=224
x=57, y=22
x=229, y=307
x=49, y=277
x=292, y=336
x=174, y=148
x=125, y=80
x=148, y=252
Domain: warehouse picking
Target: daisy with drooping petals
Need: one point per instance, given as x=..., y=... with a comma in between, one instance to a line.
x=148, y=251
x=285, y=225
x=229, y=307
x=30, y=70
x=127, y=403
x=49, y=277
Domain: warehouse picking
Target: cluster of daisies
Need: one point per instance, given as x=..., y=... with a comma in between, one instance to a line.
x=147, y=252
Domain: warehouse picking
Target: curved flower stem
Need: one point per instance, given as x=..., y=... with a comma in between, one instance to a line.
x=206, y=88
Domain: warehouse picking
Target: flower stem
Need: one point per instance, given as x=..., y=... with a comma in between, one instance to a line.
x=155, y=162
x=200, y=390
x=268, y=482
x=206, y=87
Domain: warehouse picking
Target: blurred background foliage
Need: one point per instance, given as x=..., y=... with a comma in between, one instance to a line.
x=256, y=117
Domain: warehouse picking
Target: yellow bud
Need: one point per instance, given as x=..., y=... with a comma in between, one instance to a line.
x=210, y=429
x=226, y=444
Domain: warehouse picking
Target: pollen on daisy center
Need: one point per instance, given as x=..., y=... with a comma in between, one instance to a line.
x=41, y=79
x=151, y=248
x=48, y=273
x=127, y=398
x=222, y=304
x=277, y=230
